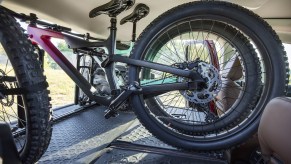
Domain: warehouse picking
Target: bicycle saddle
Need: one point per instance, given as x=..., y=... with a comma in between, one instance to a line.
x=139, y=12
x=112, y=8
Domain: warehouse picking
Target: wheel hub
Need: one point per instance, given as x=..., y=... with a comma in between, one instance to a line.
x=213, y=84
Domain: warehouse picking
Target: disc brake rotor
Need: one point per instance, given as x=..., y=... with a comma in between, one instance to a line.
x=213, y=85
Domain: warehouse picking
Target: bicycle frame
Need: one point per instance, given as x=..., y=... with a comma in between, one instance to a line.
x=43, y=37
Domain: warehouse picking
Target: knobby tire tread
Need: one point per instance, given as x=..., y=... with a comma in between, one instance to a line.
x=29, y=73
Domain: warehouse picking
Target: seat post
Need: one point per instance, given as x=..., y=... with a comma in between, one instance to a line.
x=112, y=37
x=133, y=31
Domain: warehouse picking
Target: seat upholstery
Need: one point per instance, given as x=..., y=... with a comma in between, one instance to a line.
x=274, y=130
x=227, y=96
x=230, y=89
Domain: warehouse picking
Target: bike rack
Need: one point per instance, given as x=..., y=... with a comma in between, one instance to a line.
x=137, y=145
x=8, y=151
x=83, y=135
x=288, y=94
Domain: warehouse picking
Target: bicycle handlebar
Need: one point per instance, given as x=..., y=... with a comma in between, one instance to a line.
x=32, y=19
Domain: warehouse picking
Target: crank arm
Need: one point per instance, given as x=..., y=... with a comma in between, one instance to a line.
x=9, y=79
x=23, y=90
x=13, y=91
x=120, y=99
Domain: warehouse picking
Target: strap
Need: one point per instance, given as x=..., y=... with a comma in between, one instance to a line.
x=24, y=90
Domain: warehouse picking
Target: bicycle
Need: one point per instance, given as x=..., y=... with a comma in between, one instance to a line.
x=198, y=77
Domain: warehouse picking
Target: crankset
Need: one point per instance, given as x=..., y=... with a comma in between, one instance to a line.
x=121, y=99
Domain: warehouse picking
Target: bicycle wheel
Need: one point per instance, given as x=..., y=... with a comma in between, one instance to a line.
x=26, y=110
x=234, y=51
x=198, y=114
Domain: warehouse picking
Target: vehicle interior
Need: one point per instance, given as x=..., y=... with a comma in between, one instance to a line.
x=276, y=13
x=80, y=132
